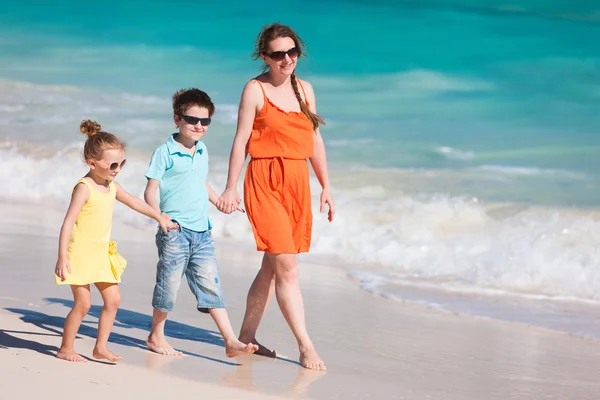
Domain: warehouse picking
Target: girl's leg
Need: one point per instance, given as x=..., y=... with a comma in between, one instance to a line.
x=81, y=306
x=112, y=298
x=259, y=297
x=289, y=297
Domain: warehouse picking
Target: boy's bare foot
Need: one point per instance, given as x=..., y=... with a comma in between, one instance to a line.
x=100, y=353
x=263, y=351
x=236, y=348
x=311, y=360
x=160, y=346
x=70, y=355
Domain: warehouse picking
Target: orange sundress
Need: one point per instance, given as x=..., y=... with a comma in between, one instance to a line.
x=277, y=187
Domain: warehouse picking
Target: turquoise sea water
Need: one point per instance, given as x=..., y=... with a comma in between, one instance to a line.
x=463, y=136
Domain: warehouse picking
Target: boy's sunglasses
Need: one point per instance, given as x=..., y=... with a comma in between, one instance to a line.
x=113, y=166
x=280, y=55
x=194, y=120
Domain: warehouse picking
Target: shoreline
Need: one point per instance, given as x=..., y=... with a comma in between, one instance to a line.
x=371, y=346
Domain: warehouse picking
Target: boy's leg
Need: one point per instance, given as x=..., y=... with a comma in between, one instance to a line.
x=111, y=296
x=173, y=256
x=81, y=306
x=203, y=278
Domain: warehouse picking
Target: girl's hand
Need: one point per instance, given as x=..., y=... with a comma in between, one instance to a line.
x=229, y=201
x=62, y=267
x=165, y=223
x=327, y=198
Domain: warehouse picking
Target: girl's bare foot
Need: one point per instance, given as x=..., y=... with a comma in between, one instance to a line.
x=236, y=348
x=102, y=353
x=161, y=346
x=311, y=360
x=69, y=355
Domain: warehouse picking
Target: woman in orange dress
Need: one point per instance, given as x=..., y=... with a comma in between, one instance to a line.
x=279, y=127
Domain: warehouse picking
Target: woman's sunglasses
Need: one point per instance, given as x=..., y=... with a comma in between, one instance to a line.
x=280, y=55
x=113, y=166
x=194, y=120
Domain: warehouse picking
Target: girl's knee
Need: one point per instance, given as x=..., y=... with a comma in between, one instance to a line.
x=82, y=306
x=113, y=302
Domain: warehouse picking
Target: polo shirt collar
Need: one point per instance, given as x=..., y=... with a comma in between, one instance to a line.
x=175, y=148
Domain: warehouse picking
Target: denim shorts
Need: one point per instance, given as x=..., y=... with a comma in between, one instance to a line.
x=185, y=252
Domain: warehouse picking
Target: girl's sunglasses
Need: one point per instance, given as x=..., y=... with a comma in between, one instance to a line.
x=280, y=55
x=113, y=166
x=194, y=120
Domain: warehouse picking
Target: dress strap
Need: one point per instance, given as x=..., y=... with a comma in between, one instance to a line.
x=85, y=182
x=261, y=88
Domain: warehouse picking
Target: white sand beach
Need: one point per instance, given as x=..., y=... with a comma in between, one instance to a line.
x=373, y=347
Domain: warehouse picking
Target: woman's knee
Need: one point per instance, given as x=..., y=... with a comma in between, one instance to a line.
x=286, y=270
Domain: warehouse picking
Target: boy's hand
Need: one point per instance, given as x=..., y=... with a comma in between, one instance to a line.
x=62, y=267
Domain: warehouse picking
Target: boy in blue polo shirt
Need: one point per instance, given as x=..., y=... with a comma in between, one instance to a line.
x=179, y=168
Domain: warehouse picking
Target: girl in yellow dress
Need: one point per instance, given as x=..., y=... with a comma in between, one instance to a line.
x=85, y=253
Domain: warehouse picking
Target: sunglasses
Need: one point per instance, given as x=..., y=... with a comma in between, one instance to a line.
x=280, y=55
x=194, y=120
x=113, y=166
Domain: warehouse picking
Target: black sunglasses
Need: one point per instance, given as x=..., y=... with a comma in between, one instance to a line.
x=194, y=120
x=280, y=55
x=113, y=166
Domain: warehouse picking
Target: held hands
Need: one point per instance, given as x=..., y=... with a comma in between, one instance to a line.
x=327, y=198
x=62, y=267
x=166, y=223
x=229, y=202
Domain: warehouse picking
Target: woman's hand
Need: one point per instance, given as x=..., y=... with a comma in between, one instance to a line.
x=229, y=201
x=327, y=198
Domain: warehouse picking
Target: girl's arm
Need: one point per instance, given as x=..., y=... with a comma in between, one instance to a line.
x=319, y=158
x=142, y=207
x=251, y=96
x=80, y=195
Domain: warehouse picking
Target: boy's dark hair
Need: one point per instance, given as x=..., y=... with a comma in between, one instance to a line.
x=186, y=98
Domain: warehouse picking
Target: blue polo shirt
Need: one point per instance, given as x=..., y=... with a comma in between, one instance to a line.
x=182, y=187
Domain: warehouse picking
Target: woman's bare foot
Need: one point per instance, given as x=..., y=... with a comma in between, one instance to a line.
x=263, y=351
x=161, y=346
x=69, y=355
x=311, y=360
x=102, y=353
x=236, y=348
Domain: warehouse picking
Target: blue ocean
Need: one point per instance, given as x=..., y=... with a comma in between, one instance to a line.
x=462, y=136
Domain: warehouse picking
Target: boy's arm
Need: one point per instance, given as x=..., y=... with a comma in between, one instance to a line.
x=212, y=195
x=150, y=194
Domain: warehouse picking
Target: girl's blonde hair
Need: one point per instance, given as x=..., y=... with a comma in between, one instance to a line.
x=97, y=140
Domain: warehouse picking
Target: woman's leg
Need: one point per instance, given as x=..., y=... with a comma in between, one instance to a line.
x=81, y=306
x=289, y=297
x=111, y=295
x=259, y=297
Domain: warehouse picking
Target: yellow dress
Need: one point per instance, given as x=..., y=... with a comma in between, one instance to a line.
x=89, y=244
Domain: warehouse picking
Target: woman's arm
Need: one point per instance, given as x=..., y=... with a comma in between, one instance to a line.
x=319, y=158
x=249, y=105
